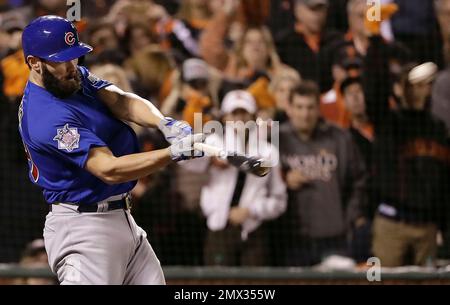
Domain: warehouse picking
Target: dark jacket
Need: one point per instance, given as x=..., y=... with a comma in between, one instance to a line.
x=325, y=206
x=411, y=152
x=295, y=52
x=365, y=148
x=316, y=66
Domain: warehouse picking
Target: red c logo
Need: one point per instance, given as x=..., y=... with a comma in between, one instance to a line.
x=69, y=38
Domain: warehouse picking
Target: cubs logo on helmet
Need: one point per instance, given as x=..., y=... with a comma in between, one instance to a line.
x=70, y=38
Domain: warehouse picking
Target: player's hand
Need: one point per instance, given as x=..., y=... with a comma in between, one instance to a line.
x=183, y=149
x=174, y=130
x=238, y=215
x=295, y=179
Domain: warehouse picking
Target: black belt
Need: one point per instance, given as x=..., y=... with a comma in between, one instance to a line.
x=124, y=203
x=403, y=214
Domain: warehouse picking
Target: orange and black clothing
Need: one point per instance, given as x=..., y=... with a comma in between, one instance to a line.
x=311, y=56
x=180, y=37
x=333, y=108
x=15, y=74
x=411, y=150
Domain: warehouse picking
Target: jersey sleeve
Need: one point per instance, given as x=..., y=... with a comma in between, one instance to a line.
x=91, y=82
x=67, y=139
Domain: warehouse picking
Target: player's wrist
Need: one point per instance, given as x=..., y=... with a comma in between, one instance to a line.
x=168, y=153
x=183, y=149
x=173, y=129
x=175, y=153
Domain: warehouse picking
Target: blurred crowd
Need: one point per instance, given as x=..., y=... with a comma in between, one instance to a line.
x=364, y=112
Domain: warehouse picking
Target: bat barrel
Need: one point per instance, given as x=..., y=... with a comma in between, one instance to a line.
x=249, y=164
x=252, y=165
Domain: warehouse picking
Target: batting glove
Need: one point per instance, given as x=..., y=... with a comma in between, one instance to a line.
x=174, y=130
x=183, y=149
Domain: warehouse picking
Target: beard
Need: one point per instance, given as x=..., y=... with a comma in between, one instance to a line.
x=61, y=88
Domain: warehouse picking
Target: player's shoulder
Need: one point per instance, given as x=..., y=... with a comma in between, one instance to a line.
x=39, y=106
x=35, y=95
x=41, y=103
x=40, y=125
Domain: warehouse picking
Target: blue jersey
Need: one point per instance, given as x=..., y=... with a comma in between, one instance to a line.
x=58, y=134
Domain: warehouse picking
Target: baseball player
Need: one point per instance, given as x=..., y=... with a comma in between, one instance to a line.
x=85, y=158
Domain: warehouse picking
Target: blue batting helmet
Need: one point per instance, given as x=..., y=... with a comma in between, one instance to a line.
x=54, y=39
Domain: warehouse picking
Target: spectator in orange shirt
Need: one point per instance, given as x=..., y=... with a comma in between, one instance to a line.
x=196, y=95
x=13, y=68
x=192, y=92
x=332, y=105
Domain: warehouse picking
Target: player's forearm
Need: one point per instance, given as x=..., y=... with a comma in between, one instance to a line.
x=132, y=167
x=131, y=107
x=143, y=112
x=113, y=170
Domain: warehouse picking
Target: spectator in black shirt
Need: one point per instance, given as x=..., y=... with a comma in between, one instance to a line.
x=411, y=163
x=308, y=46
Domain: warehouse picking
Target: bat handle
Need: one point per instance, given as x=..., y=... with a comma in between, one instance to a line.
x=210, y=150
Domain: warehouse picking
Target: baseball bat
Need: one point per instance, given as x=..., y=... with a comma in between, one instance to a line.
x=251, y=165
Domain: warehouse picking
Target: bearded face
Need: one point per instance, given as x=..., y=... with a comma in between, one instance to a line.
x=61, y=87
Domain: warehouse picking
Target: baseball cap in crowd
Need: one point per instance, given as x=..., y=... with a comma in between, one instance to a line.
x=195, y=69
x=238, y=99
x=313, y=3
x=423, y=73
x=12, y=22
